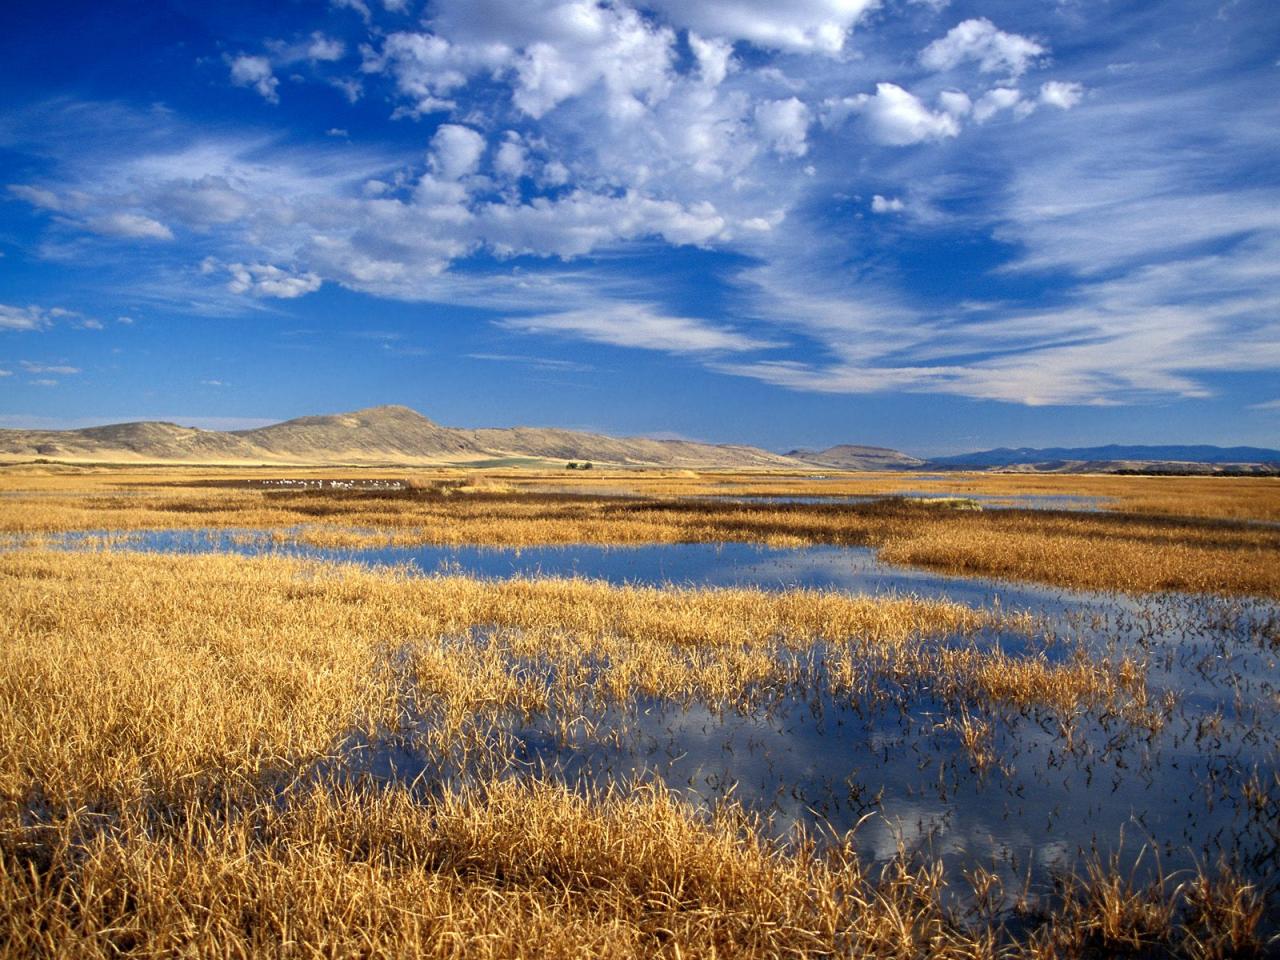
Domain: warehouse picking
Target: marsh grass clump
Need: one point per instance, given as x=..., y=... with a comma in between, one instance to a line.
x=1112, y=550
x=178, y=772
x=125, y=676
x=1103, y=909
x=511, y=869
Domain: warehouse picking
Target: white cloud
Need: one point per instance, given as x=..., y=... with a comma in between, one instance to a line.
x=266, y=280
x=798, y=25
x=784, y=124
x=955, y=102
x=581, y=222
x=456, y=151
x=620, y=132
x=881, y=204
x=637, y=325
x=509, y=160
x=429, y=69
x=37, y=196
x=358, y=6
x=131, y=225
x=895, y=117
x=325, y=48
x=62, y=370
x=996, y=100
x=353, y=90
x=1064, y=96
x=979, y=40
x=714, y=56
x=247, y=71
x=23, y=318
x=207, y=201
x=614, y=47
x=6, y=373
x=550, y=51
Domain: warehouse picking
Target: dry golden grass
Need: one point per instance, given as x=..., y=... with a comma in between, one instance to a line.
x=1086, y=550
x=534, y=870
x=164, y=721
x=130, y=676
x=1229, y=498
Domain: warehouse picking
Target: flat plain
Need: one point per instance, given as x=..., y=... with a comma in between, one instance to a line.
x=374, y=712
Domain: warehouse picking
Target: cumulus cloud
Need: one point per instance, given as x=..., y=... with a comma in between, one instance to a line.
x=509, y=160
x=576, y=127
x=266, y=280
x=1064, y=96
x=456, y=151
x=614, y=47
x=323, y=48
x=550, y=50
x=131, y=225
x=714, y=56
x=895, y=117
x=24, y=318
x=581, y=221
x=255, y=72
x=638, y=325
x=784, y=125
x=980, y=41
x=798, y=25
x=996, y=100
x=356, y=6
x=955, y=102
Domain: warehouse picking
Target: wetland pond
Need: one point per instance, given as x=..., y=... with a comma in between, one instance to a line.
x=1197, y=784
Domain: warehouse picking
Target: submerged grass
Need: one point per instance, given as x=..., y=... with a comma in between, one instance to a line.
x=172, y=730
x=1139, y=553
x=514, y=870
x=129, y=677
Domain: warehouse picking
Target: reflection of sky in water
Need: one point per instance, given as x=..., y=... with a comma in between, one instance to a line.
x=847, y=569
x=830, y=762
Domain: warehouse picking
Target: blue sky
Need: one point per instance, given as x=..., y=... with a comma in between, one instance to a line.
x=939, y=226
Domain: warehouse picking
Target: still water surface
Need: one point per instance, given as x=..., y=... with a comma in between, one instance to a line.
x=890, y=761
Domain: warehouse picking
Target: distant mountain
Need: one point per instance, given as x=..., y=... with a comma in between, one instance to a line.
x=1111, y=454
x=848, y=456
x=389, y=434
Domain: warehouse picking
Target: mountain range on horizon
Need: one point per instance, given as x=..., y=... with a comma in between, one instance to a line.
x=396, y=434
x=1111, y=453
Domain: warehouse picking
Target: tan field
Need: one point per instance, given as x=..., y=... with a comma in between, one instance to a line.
x=183, y=738
x=1159, y=534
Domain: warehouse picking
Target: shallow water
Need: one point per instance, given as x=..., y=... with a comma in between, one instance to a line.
x=730, y=564
x=988, y=501
x=825, y=759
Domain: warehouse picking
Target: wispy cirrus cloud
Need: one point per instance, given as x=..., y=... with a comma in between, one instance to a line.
x=640, y=326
